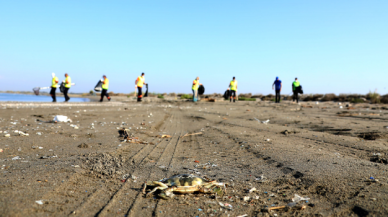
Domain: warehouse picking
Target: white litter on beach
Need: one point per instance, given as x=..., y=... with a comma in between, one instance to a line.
x=61, y=118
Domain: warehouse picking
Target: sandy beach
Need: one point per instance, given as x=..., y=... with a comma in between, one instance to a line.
x=335, y=155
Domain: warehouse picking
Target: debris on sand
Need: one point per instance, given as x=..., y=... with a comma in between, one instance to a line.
x=226, y=205
x=40, y=202
x=23, y=134
x=47, y=157
x=261, y=179
x=163, y=136
x=286, y=132
x=83, y=145
x=74, y=126
x=298, y=198
x=129, y=137
x=252, y=190
x=61, y=118
x=191, y=134
x=265, y=122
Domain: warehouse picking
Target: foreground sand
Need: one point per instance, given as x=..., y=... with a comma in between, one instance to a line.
x=318, y=151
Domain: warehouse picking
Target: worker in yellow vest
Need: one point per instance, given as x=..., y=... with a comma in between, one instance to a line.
x=67, y=87
x=233, y=89
x=195, y=87
x=140, y=81
x=54, y=85
x=295, y=89
x=105, y=86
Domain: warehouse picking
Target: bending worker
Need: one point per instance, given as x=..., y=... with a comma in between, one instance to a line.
x=140, y=81
x=295, y=89
x=278, y=88
x=105, y=85
x=54, y=85
x=233, y=89
x=195, y=88
x=67, y=87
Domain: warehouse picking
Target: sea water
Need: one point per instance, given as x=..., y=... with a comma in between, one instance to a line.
x=10, y=97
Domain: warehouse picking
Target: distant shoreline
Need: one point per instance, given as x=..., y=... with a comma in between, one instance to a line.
x=351, y=98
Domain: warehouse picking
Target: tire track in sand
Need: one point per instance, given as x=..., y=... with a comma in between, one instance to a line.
x=125, y=198
x=64, y=197
x=89, y=207
x=165, y=159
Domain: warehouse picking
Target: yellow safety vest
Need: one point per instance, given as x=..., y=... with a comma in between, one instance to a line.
x=54, y=83
x=140, y=81
x=295, y=84
x=195, y=85
x=233, y=85
x=106, y=85
x=68, y=82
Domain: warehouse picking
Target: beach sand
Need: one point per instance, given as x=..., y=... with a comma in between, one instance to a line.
x=319, y=151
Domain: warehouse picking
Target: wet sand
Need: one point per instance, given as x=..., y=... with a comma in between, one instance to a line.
x=322, y=152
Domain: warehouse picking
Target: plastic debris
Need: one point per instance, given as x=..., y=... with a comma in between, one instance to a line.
x=61, y=118
x=226, y=205
x=7, y=135
x=298, y=198
x=261, y=179
x=246, y=198
x=252, y=190
x=1, y=150
x=40, y=202
x=23, y=134
x=265, y=122
x=291, y=204
x=16, y=158
x=243, y=215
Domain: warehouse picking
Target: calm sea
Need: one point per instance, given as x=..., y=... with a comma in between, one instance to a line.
x=33, y=98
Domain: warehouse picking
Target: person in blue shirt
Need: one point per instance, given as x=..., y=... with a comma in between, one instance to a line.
x=278, y=87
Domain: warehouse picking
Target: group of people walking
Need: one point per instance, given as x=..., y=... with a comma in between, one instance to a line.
x=277, y=85
x=296, y=89
x=54, y=85
x=140, y=82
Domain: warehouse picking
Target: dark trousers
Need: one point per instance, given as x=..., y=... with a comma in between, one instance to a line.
x=233, y=95
x=104, y=92
x=295, y=97
x=67, y=98
x=277, y=97
x=52, y=93
x=139, y=94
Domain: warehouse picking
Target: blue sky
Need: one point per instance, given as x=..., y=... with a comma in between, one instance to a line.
x=331, y=46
